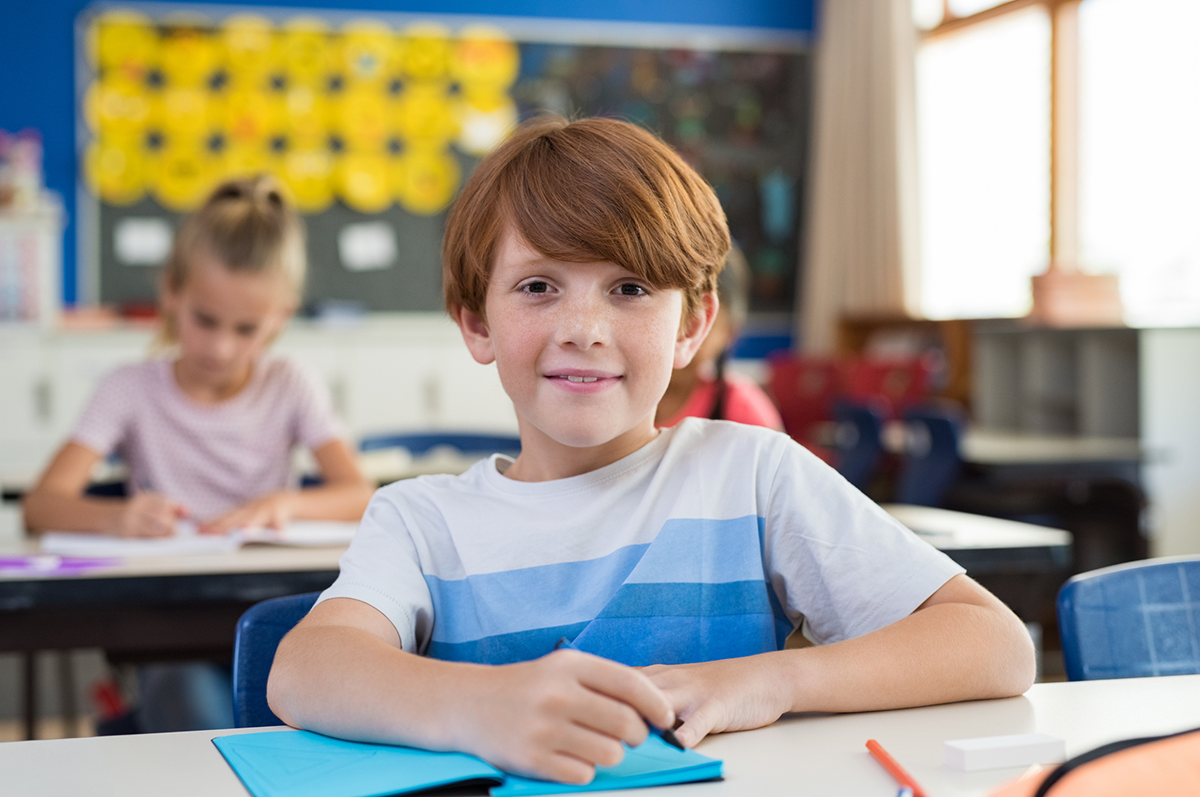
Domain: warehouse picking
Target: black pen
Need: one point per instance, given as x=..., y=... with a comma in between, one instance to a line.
x=666, y=734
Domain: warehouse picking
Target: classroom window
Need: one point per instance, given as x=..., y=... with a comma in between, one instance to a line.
x=1140, y=154
x=965, y=8
x=983, y=118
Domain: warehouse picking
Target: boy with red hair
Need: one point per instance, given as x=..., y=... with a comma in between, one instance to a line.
x=581, y=258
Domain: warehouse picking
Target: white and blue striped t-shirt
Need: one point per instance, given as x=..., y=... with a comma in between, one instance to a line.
x=715, y=540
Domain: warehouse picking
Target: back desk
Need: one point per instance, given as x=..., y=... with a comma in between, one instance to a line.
x=185, y=605
x=190, y=604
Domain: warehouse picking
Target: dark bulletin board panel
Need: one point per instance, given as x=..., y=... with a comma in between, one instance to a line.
x=736, y=104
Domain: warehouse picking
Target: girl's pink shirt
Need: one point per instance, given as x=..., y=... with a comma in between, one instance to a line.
x=209, y=457
x=745, y=402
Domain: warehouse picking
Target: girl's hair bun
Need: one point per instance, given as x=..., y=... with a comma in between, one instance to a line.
x=248, y=226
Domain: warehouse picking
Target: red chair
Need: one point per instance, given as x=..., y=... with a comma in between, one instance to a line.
x=900, y=383
x=804, y=389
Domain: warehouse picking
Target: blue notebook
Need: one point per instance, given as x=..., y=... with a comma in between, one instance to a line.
x=305, y=764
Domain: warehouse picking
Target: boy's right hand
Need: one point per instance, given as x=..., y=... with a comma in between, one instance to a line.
x=560, y=716
x=149, y=514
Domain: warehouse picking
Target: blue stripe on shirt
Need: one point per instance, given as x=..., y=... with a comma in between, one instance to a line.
x=703, y=551
x=696, y=593
x=514, y=601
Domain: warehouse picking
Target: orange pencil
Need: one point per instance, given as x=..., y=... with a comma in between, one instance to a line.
x=897, y=771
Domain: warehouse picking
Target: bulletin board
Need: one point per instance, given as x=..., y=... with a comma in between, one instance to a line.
x=373, y=122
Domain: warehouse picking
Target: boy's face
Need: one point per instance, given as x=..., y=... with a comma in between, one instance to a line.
x=584, y=350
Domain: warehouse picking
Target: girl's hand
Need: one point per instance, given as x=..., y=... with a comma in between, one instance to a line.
x=149, y=514
x=560, y=716
x=727, y=695
x=272, y=511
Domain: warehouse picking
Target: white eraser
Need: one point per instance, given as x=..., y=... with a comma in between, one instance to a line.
x=997, y=752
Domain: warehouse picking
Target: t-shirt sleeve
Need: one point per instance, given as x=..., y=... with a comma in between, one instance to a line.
x=839, y=564
x=382, y=569
x=104, y=423
x=316, y=422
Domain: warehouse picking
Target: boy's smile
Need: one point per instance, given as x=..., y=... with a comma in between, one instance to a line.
x=585, y=352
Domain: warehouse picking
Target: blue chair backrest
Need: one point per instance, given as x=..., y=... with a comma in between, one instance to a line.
x=421, y=442
x=859, y=441
x=259, y=632
x=931, y=459
x=1132, y=620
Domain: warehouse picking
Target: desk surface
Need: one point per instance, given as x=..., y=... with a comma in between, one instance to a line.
x=944, y=529
x=249, y=559
x=984, y=447
x=153, y=603
x=799, y=755
x=952, y=531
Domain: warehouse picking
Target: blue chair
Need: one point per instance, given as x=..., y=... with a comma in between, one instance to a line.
x=1132, y=620
x=420, y=443
x=259, y=632
x=858, y=438
x=931, y=460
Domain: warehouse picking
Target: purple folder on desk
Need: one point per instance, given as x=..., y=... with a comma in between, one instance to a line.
x=50, y=565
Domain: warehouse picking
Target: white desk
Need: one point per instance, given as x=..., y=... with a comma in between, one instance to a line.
x=949, y=531
x=145, y=607
x=985, y=447
x=800, y=755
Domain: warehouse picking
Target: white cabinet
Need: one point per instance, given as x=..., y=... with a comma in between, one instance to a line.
x=1170, y=389
x=387, y=374
x=25, y=399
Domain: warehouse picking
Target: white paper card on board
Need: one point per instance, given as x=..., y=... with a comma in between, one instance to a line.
x=142, y=241
x=998, y=752
x=367, y=246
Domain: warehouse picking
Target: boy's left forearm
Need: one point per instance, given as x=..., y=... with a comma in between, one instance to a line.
x=960, y=644
x=939, y=654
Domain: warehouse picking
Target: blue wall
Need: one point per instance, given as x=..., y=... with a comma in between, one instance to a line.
x=37, y=59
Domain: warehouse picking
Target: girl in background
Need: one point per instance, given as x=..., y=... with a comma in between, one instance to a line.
x=706, y=388
x=207, y=433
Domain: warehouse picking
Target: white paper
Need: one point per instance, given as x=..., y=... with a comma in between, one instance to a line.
x=142, y=241
x=187, y=540
x=367, y=246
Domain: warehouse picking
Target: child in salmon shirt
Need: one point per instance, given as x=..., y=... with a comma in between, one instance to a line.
x=705, y=387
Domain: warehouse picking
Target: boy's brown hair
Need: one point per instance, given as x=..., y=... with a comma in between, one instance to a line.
x=593, y=190
x=249, y=227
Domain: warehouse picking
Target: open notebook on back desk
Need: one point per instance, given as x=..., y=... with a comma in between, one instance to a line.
x=187, y=540
x=304, y=764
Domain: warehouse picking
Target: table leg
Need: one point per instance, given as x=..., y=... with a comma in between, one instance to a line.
x=66, y=687
x=29, y=664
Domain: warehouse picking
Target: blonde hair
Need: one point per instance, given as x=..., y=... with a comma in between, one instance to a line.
x=248, y=227
x=583, y=191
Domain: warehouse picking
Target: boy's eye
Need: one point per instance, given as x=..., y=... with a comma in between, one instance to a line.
x=537, y=287
x=247, y=330
x=631, y=289
x=205, y=321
